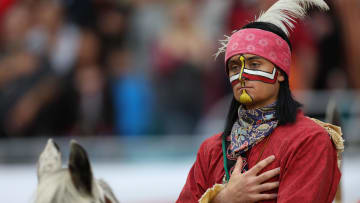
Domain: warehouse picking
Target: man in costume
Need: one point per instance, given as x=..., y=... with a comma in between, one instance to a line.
x=269, y=151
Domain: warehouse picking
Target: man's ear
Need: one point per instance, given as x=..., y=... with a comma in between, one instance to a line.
x=281, y=77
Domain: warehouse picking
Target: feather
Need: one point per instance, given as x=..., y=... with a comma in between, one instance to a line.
x=222, y=48
x=284, y=12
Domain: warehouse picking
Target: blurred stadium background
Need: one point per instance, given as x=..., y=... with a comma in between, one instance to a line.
x=135, y=82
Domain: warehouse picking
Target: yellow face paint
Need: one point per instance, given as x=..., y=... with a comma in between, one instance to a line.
x=242, y=60
x=244, y=97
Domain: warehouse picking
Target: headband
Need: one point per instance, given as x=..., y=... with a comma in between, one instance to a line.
x=261, y=43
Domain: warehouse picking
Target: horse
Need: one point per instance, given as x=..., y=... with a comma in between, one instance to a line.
x=74, y=184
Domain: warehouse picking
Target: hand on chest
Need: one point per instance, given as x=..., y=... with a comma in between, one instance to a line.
x=260, y=152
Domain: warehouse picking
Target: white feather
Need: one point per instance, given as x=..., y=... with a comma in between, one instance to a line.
x=222, y=48
x=282, y=14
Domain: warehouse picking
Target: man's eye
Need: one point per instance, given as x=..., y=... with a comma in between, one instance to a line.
x=254, y=65
x=234, y=68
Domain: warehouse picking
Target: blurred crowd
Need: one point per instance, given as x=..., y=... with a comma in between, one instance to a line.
x=140, y=67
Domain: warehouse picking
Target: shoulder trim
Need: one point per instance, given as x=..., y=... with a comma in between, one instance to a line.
x=335, y=135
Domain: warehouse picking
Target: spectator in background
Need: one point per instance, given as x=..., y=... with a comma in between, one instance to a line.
x=349, y=14
x=327, y=33
x=179, y=64
x=54, y=38
x=4, y=6
x=112, y=25
x=91, y=102
x=27, y=82
x=82, y=13
x=132, y=94
x=147, y=21
x=83, y=106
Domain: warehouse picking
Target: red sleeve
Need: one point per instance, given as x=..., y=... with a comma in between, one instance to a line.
x=196, y=183
x=310, y=172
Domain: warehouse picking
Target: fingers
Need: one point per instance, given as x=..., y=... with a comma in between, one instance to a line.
x=259, y=197
x=267, y=186
x=238, y=165
x=268, y=175
x=262, y=164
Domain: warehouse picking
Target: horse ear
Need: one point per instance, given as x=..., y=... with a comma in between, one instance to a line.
x=80, y=169
x=49, y=160
x=108, y=193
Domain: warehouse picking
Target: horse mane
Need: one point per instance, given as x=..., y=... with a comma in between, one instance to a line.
x=74, y=184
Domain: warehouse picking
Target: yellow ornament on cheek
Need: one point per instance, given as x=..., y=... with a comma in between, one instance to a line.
x=245, y=98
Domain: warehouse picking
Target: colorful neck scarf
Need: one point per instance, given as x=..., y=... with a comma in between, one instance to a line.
x=252, y=127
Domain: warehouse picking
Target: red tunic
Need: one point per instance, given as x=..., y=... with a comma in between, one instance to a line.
x=303, y=151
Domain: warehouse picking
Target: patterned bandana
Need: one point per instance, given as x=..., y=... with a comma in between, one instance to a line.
x=261, y=43
x=252, y=127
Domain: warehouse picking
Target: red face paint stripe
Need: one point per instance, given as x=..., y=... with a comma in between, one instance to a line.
x=235, y=82
x=260, y=78
x=261, y=73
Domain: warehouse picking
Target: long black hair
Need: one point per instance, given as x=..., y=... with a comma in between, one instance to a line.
x=286, y=106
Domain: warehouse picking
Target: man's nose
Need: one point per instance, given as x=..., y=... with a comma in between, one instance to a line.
x=241, y=77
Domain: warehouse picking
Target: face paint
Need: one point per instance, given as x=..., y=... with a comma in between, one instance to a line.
x=255, y=75
x=235, y=79
x=259, y=75
x=244, y=97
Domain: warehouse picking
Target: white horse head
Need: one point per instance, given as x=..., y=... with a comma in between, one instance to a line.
x=74, y=184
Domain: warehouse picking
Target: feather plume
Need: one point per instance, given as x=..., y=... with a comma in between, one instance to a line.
x=282, y=14
x=222, y=48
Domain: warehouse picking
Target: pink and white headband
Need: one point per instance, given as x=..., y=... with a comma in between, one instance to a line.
x=261, y=43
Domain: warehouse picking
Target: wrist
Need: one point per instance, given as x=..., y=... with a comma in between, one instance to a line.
x=221, y=197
